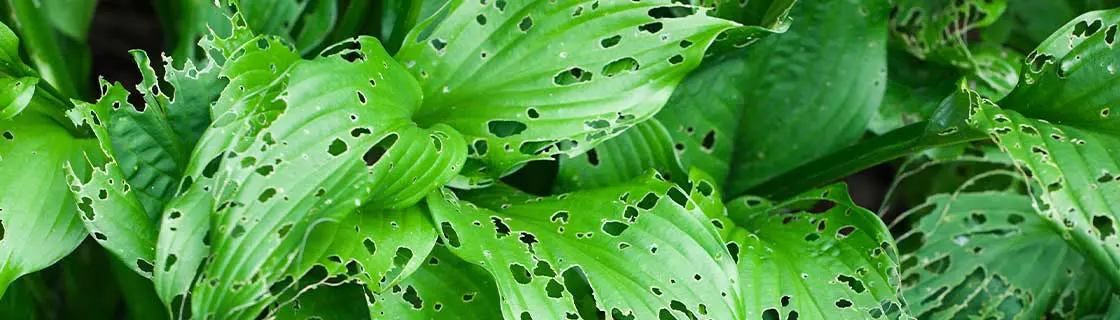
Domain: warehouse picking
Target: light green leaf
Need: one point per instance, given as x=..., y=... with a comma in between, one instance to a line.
x=835, y=262
x=1059, y=128
x=39, y=222
x=284, y=154
x=644, y=146
x=376, y=247
x=989, y=254
x=109, y=206
x=597, y=68
x=746, y=119
x=444, y=286
x=643, y=248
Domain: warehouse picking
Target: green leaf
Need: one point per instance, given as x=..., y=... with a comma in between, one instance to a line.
x=70, y=17
x=38, y=224
x=597, y=69
x=376, y=247
x=726, y=104
x=838, y=262
x=631, y=154
x=1058, y=127
x=341, y=302
x=643, y=248
x=110, y=207
x=444, y=286
x=47, y=29
x=989, y=254
x=284, y=154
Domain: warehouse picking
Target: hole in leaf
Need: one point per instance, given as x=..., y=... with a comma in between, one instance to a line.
x=709, y=140
x=614, y=228
x=571, y=76
x=412, y=298
x=449, y=234
x=505, y=128
x=337, y=147
x=652, y=27
x=520, y=273
x=374, y=153
x=144, y=265
x=620, y=66
x=610, y=41
x=526, y=24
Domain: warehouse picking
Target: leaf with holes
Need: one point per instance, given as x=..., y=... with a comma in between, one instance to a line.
x=643, y=248
x=444, y=286
x=833, y=260
x=1059, y=128
x=284, y=155
x=597, y=68
x=737, y=118
x=990, y=254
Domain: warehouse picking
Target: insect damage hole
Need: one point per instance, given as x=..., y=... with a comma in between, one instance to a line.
x=610, y=41
x=572, y=76
x=375, y=152
x=526, y=24
x=505, y=128
x=620, y=66
x=337, y=147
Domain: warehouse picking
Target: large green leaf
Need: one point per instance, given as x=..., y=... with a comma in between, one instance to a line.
x=1059, y=128
x=989, y=254
x=283, y=155
x=444, y=286
x=38, y=223
x=597, y=68
x=747, y=119
x=836, y=260
x=642, y=247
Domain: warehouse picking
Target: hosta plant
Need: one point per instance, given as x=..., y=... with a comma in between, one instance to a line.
x=565, y=159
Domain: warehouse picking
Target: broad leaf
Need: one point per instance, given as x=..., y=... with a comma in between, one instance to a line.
x=444, y=286
x=1059, y=128
x=597, y=68
x=989, y=254
x=642, y=247
x=739, y=119
x=283, y=155
x=838, y=262
x=39, y=222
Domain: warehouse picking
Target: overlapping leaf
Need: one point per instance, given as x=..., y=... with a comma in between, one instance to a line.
x=643, y=247
x=284, y=155
x=989, y=254
x=1059, y=128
